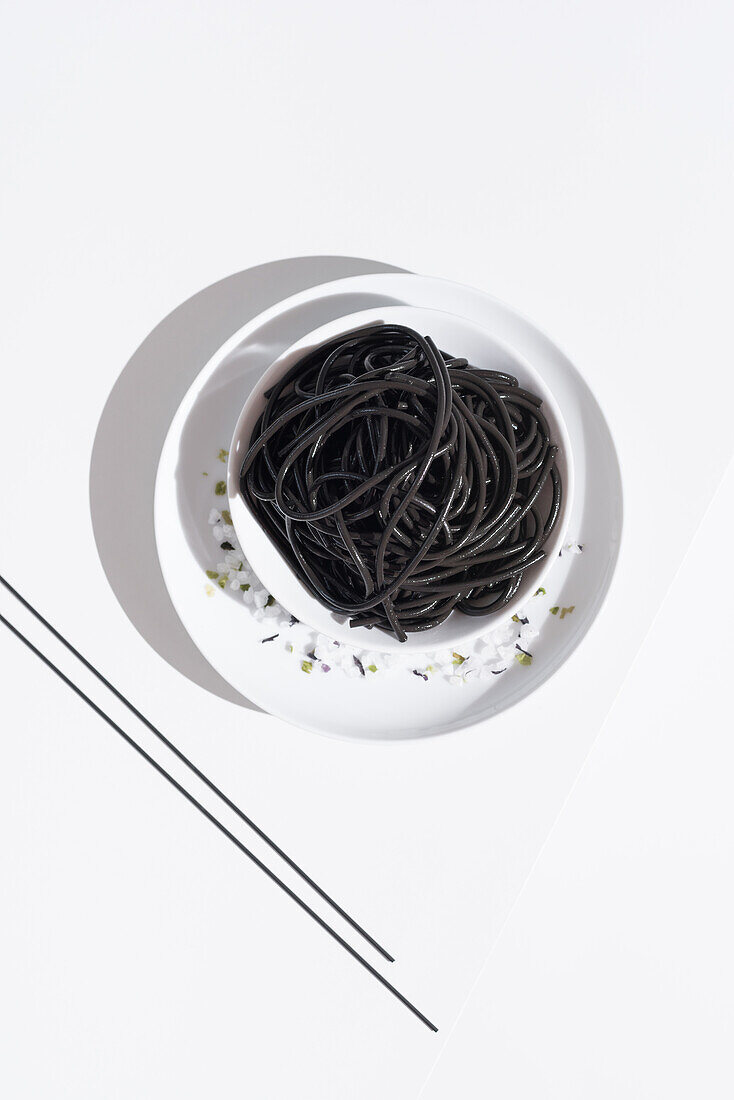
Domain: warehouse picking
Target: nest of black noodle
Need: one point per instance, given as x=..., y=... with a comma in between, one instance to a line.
x=401, y=483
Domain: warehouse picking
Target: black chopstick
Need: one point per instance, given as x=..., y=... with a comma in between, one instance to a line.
x=210, y=817
x=199, y=774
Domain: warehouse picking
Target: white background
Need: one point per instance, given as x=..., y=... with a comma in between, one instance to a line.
x=574, y=159
x=614, y=976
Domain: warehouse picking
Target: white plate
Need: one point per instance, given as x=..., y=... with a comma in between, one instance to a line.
x=482, y=350
x=392, y=703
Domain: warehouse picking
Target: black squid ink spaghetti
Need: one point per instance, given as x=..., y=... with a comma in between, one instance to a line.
x=401, y=483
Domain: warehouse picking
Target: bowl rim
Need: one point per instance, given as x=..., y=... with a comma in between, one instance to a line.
x=324, y=620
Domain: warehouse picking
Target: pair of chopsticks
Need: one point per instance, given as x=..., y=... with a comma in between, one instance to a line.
x=202, y=809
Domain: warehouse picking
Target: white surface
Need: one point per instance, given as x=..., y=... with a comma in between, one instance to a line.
x=614, y=976
x=572, y=160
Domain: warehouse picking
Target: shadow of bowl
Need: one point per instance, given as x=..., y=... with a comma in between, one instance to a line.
x=133, y=426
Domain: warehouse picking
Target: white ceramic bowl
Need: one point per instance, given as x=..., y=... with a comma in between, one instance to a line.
x=460, y=337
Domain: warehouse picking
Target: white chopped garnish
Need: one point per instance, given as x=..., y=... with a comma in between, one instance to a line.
x=443, y=657
x=218, y=533
x=248, y=596
x=527, y=632
x=260, y=597
x=502, y=635
x=222, y=567
x=488, y=652
x=228, y=531
x=456, y=680
x=346, y=655
x=215, y=516
x=327, y=650
x=447, y=670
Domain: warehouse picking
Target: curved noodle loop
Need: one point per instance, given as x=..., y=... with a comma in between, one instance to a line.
x=401, y=483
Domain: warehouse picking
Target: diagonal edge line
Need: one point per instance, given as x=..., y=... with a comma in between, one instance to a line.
x=576, y=781
x=198, y=773
x=230, y=836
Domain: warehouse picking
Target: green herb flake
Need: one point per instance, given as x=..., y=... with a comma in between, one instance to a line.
x=244, y=588
x=211, y=574
x=306, y=666
x=567, y=610
x=222, y=582
x=270, y=601
x=540, y=592
x=515, y=619
x=289, y=647
x=222, y=456
x=523, y=658
x=372, y=668
x=554, y=610
x=220, y=488
x=204, y=474
x=227, y=516
x=458, y=659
